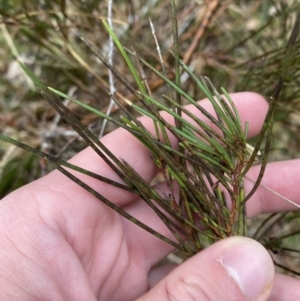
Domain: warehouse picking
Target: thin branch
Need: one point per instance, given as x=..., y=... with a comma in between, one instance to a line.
x=201, y=30
x=112, y=88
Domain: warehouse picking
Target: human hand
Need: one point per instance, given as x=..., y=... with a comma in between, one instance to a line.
x=58, y=242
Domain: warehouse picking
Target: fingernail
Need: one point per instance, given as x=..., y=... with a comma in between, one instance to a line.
x=250, y=266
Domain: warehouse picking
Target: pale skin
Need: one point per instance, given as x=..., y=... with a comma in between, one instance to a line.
x=57, y=242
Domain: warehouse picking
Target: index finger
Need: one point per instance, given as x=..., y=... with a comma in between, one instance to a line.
x=281, y=180
x=251, y=106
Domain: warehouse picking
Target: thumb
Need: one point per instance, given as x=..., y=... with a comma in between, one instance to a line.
x=235, y=268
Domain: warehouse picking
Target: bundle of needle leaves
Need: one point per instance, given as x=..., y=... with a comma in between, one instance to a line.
x=206, y=168
x=204, y=172
x=208, y=164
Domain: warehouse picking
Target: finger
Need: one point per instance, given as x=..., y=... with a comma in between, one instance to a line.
x=285, y=288
x=280, y=177
x=252, y=108
x=233, y=269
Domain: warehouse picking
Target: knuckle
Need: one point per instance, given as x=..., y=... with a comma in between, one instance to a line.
x=190, y=288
